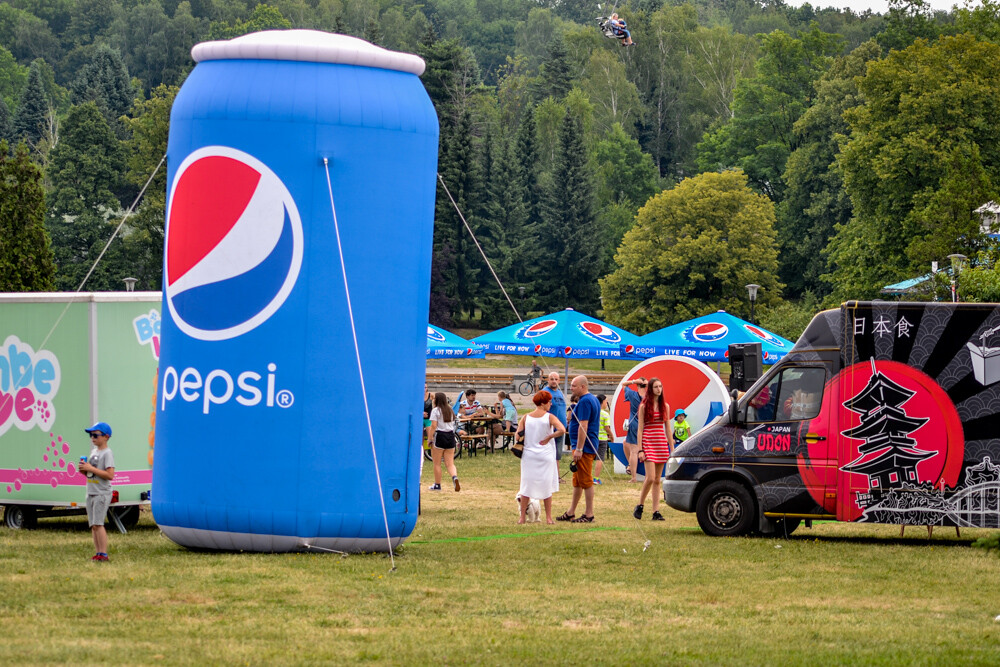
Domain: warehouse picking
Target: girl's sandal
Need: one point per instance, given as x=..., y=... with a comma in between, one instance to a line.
x=583, y=519
x=565, y=516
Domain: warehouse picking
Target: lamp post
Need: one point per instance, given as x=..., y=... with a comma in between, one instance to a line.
x=130, y=284
x=520, y=289
x=957, y=260
x=752, y=291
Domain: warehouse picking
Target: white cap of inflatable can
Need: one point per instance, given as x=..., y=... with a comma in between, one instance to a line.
x=308, y=46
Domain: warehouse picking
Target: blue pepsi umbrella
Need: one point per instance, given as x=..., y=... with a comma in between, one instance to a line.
x=567, y=333
x=708, y=338
x=443, y=344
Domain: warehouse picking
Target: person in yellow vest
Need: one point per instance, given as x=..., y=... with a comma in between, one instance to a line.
x=682, y=429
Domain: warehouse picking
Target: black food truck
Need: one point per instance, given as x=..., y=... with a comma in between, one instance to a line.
x=883, y=412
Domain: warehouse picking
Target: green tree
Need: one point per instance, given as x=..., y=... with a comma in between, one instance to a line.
x=815, y=201
x=32, y=119
x=142, y=238
x=12, y=78
x=615, y=98
x=85, y=169
x=759, y=137
x=25, y=256
x=105, y=81
x=263, y=17
x=6, y=123
x=554, y=79
x=569, y=239
x=907, y=21
x=924, y=153
x=692, y=251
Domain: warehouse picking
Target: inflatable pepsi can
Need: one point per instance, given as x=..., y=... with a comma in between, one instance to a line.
x=262, y=440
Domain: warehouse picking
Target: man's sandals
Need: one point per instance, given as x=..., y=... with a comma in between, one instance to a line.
x=572, y=518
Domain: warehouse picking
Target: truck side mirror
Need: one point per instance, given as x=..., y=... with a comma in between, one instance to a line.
x=734, y=407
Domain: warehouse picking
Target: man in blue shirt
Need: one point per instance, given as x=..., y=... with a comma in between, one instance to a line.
x=558, y=408
x=633, y=397
x=584, y=433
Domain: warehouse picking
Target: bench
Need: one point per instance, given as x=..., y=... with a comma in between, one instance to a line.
x=473, y=442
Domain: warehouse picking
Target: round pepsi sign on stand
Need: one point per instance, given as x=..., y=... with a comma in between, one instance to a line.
x=687, y=384
x=262, y=442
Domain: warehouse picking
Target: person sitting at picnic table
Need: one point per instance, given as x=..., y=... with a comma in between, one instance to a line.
x=509, y=413
x=468, y=408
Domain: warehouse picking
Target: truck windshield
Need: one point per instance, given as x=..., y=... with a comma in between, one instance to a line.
x=794, y=394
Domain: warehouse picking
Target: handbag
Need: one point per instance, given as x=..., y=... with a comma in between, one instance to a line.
x=518, y=447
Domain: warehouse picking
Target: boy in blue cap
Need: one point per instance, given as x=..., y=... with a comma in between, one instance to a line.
x=100, y=470
x=682, y=429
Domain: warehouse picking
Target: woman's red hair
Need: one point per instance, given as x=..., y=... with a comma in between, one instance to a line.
x=647, y=401
x=541, y=398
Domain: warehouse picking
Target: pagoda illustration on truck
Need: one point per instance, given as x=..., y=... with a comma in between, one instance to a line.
x=889, y=457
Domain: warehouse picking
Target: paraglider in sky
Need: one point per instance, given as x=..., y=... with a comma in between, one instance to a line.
x=614, y=27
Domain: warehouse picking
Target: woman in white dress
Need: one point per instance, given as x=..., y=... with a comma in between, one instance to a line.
x=539, y=469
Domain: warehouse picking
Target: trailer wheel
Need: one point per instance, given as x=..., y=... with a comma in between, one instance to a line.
x=128, y=515
x=17, y=517
x=725, y=508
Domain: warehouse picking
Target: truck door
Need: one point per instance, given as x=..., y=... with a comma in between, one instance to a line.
x=786, y=446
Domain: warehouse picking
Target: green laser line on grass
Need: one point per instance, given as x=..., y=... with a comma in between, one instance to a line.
x=482, y=538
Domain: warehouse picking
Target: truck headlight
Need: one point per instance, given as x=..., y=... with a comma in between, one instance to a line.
x=673, y=463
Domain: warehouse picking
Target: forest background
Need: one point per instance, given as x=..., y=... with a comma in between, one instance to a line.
x=819, y=153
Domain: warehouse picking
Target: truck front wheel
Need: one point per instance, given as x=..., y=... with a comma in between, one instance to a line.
x=725, y=508
x=16, y=517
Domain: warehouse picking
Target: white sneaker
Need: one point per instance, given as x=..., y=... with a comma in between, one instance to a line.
x=434, y=487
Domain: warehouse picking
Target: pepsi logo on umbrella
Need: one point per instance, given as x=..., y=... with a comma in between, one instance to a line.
x=434, y=335
x=537, y=329
x=233, y=240
x=599, y=332
x=765, y=336
x=706, y=332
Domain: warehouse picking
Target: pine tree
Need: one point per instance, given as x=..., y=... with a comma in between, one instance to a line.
x=6, y=123
x=459, y=168
x=85, y=169
x=105, y=81
x=372, y=32
x=570, y=240
x=31, y=121
x=25, y=255
x=555, y=78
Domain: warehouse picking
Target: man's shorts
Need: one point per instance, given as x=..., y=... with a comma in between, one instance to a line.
x=584, y=476
x=97, y=508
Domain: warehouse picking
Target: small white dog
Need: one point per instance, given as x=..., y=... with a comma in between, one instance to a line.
x=534, y=512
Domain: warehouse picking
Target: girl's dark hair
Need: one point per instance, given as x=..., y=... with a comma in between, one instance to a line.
x=601, y=398
x=441, y=401
x=647, y=401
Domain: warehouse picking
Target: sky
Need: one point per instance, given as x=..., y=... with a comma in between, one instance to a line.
x=879, y=6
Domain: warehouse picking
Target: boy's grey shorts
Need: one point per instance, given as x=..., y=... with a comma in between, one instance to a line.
x=97, y=509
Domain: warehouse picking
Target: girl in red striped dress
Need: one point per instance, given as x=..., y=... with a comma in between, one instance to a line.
x=656, y=442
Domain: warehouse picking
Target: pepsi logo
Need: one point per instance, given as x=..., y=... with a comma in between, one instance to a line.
x=233, y=246
x=599, y=332
x=707, y=332
x=537, y=329
x=568, y=350
x=538, y=348
x=434, y=335
x=469, y=351
x=765, y=336
x=629, y=349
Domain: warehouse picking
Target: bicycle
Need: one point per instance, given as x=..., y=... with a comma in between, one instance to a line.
x=527, y=386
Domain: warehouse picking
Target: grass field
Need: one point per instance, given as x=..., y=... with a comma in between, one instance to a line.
x=473, y=587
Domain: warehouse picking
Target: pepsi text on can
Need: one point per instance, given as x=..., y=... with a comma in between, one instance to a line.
x=217, y=387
